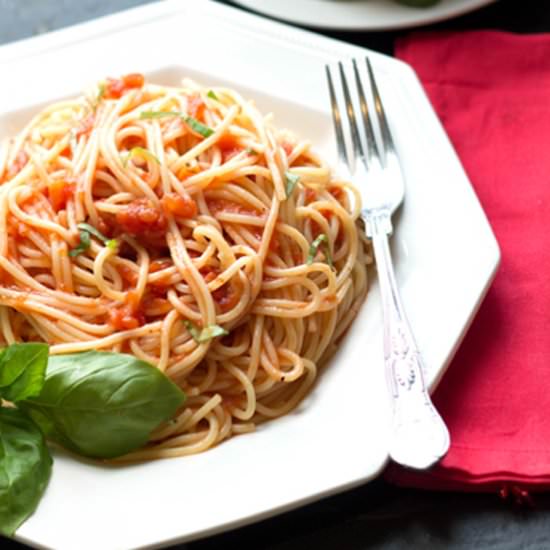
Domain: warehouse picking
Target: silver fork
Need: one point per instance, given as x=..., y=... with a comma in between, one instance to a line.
x=419, y=437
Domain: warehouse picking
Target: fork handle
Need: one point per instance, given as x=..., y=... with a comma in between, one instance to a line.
x=419, y=437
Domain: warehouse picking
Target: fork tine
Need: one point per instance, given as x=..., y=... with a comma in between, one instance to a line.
x=337, y=121
x=387, y=139
x=372, y=148
x=355, y=139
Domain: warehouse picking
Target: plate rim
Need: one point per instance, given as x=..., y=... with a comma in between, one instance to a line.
x=278, y=9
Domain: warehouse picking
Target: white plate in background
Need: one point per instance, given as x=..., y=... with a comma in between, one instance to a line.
x=371, y=15
x=445, y=253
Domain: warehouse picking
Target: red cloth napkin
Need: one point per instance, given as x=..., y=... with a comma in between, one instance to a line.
x=491, y=91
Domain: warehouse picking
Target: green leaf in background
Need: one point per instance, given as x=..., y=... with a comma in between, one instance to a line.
x=22, y=370
x=25, y=468
x=102, y=404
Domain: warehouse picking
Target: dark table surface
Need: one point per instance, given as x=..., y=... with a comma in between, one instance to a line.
x=377, y=515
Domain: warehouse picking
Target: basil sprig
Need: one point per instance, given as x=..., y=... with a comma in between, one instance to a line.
x=97, y=404
x=192, y=122
x=320, y=240
x=85, y=241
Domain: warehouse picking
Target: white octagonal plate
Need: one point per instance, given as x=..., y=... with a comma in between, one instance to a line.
x=445, y=252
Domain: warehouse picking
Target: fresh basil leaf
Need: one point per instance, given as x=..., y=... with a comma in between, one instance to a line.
x=205, y=334
x=198, y=127
x=212, y=95
x=25, y=468
x=83, y=245
x=102, y=404
x=321, y=240
x=291, y=182
x=22, y=369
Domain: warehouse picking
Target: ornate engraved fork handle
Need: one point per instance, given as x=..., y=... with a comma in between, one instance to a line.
x=419, y=436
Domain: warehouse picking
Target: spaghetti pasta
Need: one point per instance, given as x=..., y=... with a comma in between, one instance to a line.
x=178, y=225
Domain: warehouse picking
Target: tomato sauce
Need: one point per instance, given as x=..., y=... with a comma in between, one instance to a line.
x=337, y=192
x=229, y=147
x=17, y=230
x=226, y=297
x=128, y=274
x=209, y=273
x=196, y=107
x=117, y=87
x=141, y=217
x=223, y=205
x=159, y=265
x=287, y=147
x=127, y=316
x=180, y=206
x=59, y=193
x=311, y=195
x=160, y=286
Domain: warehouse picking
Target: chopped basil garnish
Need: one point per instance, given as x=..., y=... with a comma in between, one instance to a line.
x=205, y=334
x=291, y=181
x=99, y=96
x=198, y=127
x=93, y=231
x=100, y=93
x=212, y=95
x=158, y=114
x=85, y=242
x=320, y=240
x=193, y=123
x=83, y=245
x=140, y=152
